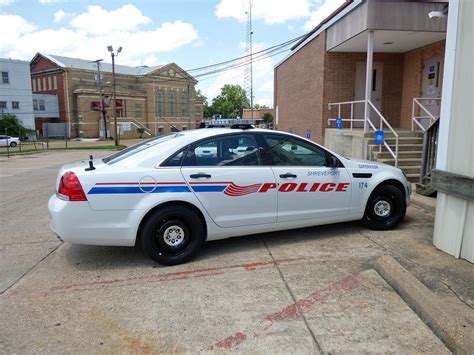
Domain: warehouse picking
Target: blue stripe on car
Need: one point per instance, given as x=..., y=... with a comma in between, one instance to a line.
x=98, y=190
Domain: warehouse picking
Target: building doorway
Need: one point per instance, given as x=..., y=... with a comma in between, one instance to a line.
x=359, y=91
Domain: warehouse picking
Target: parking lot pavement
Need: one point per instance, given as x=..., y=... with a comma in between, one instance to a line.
x=310, y=290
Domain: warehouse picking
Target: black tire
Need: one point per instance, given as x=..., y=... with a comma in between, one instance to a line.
x=385, y=208
x=13, y=144
x=172, y=235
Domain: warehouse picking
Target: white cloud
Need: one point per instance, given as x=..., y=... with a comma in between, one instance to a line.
x=323, y=9
x=262, y=79
x=270, y=11
x=6, y=2
x=60, y=16
x=97, y=20
x=21, y=39
x=47, y=2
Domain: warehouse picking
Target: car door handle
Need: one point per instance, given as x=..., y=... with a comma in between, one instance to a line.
x=199, y=175
x=288, y=176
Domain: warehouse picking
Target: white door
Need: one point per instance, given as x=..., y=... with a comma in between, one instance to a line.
x=431, y=88
x=359, y=91
x=308, y=188
x=227, y=176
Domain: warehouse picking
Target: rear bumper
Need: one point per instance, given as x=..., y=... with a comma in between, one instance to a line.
x=76, y=222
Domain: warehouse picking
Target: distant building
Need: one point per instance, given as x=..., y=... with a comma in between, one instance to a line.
x=258, y=114
x=157, y=99
x=15, y=91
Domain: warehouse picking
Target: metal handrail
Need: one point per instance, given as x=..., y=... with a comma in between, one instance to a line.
x=135, y=123
x=352, y=119
x=382, y=121
x=371, y=124
x=415, y=119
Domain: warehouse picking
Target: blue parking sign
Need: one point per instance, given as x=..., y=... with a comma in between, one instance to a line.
x=379, y=137
x=290, y=130
x=308, y=134
x=339, y=123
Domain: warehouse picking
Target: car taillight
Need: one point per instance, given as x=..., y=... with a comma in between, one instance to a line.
x=70, y=188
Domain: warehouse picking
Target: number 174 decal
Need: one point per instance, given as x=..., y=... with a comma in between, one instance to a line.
x=363, y=185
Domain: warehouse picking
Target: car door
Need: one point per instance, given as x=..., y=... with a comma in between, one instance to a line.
x=227, y=176
x=308, y=187
x=3, y=141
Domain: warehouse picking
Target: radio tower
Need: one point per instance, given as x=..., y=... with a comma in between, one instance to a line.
x=248, y=75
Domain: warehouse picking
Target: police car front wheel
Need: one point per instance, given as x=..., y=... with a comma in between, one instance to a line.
x=385, y=209
x=172, y=235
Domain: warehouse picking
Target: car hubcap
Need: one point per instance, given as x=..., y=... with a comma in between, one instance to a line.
x=382, y=208
x=174, y=236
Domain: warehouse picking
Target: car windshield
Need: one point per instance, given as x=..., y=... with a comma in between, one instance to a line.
x=134, y=149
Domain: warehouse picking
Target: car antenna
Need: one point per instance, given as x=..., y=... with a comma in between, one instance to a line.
x=91, y=164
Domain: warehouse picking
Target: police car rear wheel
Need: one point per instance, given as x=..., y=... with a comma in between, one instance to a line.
x=385, y=209
x=172, y=235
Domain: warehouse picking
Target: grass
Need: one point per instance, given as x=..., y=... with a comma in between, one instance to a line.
x=29, y=151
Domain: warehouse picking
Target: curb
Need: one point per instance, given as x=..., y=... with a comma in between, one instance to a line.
x=456, y=334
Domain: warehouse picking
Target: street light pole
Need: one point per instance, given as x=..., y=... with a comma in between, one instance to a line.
x=111, y=50
x=102, y=108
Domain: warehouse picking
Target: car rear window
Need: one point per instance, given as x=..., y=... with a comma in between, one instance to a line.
x=134, y=149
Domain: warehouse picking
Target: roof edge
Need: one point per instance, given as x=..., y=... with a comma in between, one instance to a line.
x=335, y=16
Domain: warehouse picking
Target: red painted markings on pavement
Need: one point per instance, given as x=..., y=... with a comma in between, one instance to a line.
x=290, y=312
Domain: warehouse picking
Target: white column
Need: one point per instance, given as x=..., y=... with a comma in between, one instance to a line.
x=454, y=222
x=368, y=76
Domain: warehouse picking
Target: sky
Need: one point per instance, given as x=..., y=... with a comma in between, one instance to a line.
x=190, y=33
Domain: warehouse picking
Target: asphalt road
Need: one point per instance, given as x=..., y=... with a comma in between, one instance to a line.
x=304, y=291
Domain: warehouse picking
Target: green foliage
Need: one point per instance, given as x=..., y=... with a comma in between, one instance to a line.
x=267, y=118
x=229, y=103
x=10, y=125
x=258, y=106
x=140, y=130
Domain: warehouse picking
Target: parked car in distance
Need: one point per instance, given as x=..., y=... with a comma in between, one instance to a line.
x=9, y=141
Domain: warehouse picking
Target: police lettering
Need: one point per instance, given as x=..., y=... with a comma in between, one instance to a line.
x=305, y=187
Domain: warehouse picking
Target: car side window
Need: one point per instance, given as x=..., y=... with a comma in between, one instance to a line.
x=232, y=150
x=176, y=159
x=287, y=150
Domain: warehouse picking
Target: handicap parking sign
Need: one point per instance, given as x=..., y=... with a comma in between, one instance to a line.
x=290, y=130
x=339, y=123
x=308, y=134
x=379, y=137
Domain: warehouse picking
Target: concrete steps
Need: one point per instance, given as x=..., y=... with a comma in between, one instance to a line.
x=410, y=149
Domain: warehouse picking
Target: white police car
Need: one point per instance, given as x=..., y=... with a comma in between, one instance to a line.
x=173, y=192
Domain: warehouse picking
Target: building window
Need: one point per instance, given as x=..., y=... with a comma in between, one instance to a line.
x=55, y=83
x=35, y=105
x=33, y=84
x=184, y=104
x=50, y=83
x=172, y=104
x=41, y=105
x=3, y=105
x=5, y=78
x=159, y=103
x=138, y=110
x=15, y=105
x=161, y=131
x=183, y=128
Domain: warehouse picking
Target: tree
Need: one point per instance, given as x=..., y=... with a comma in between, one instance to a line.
x=231, y=101
x=207, y=109
x=10, y=125
x=258, y=106
x=268, y=119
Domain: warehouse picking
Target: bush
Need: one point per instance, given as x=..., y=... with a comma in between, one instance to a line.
x=10, y=125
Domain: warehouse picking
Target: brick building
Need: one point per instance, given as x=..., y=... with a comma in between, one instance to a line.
x=157, y=99
x=326, y=74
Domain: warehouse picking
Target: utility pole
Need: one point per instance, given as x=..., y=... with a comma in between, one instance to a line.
x=102, y=108
x=248, y=73
x=111, y=50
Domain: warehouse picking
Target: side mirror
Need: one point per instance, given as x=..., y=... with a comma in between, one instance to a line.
x=333, y=162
